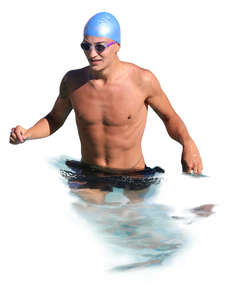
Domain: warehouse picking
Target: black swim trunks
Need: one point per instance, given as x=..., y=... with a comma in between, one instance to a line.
x=84, y=175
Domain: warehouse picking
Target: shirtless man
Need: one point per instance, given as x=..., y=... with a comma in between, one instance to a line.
x=110, y=99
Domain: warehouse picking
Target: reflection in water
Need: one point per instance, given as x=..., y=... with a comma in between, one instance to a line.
x=132, y=224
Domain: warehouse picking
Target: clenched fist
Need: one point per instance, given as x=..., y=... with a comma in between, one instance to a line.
x=18, y=135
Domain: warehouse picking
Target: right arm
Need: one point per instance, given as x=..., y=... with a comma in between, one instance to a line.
x=48, y=124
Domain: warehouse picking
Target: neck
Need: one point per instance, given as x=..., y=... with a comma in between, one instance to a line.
x=108, y=73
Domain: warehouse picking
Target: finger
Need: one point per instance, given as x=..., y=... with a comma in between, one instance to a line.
x=186, y=168
x=19, y=134
x=195, y=170
x=13, y=135
x=200, y=170
x=12, y=130
x=189, y=170
x=13, y=141
x=199, y=167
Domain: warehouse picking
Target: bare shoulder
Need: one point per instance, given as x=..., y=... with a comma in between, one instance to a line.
x=133, y=69
x=72, y=80
x=149, y=80
x=143, y=77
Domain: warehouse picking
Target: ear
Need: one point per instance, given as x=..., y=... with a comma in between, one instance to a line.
x=117, y=47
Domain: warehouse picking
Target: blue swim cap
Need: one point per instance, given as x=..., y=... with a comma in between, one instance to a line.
x=103, y=24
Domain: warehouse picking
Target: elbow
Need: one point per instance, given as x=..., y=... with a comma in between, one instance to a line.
x=54, y=123
x=171, y=119
x=167, y=119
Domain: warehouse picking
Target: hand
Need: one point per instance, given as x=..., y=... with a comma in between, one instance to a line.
x=18, y=135
x=191, y=159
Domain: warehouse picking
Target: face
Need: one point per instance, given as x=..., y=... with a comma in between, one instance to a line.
x=99, y=61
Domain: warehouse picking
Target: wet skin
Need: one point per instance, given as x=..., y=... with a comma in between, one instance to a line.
x=110, y=99
x=110, y=118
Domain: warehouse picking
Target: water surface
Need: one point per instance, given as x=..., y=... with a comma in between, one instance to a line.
x=138, y=230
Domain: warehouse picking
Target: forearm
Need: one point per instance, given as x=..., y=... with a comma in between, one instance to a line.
x=191, y=159
x=43, y=128
x=177, y=130
x=40, y=130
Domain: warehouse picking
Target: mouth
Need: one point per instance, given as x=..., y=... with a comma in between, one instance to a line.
x=95, y=61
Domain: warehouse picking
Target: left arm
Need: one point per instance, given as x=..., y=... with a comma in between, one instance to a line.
x=157, y=99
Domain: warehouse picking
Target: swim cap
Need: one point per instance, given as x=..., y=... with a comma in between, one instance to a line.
x=103, y=24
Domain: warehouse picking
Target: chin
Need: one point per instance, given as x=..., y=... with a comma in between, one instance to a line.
x=97, y=68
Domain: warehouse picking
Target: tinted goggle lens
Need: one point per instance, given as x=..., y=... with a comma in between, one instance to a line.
x=85, y=46
x=98, y=47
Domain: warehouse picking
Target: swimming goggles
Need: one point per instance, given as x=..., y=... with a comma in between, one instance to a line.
x=99, y=47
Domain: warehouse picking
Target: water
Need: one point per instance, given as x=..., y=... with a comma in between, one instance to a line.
x=139, y=231
x=51, y=247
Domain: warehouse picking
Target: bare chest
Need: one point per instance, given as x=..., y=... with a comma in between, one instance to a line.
x=115, y=105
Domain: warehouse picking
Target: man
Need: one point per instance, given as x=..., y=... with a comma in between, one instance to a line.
x=110, y=99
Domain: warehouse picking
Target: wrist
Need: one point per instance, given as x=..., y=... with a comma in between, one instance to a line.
x=27, y=135
x=187, y=142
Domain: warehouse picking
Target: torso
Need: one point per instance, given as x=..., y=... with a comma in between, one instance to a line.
x=110, y=118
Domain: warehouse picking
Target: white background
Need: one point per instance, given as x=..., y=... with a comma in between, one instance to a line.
x=193, y=48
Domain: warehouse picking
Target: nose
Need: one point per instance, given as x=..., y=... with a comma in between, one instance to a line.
x=92, y=52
